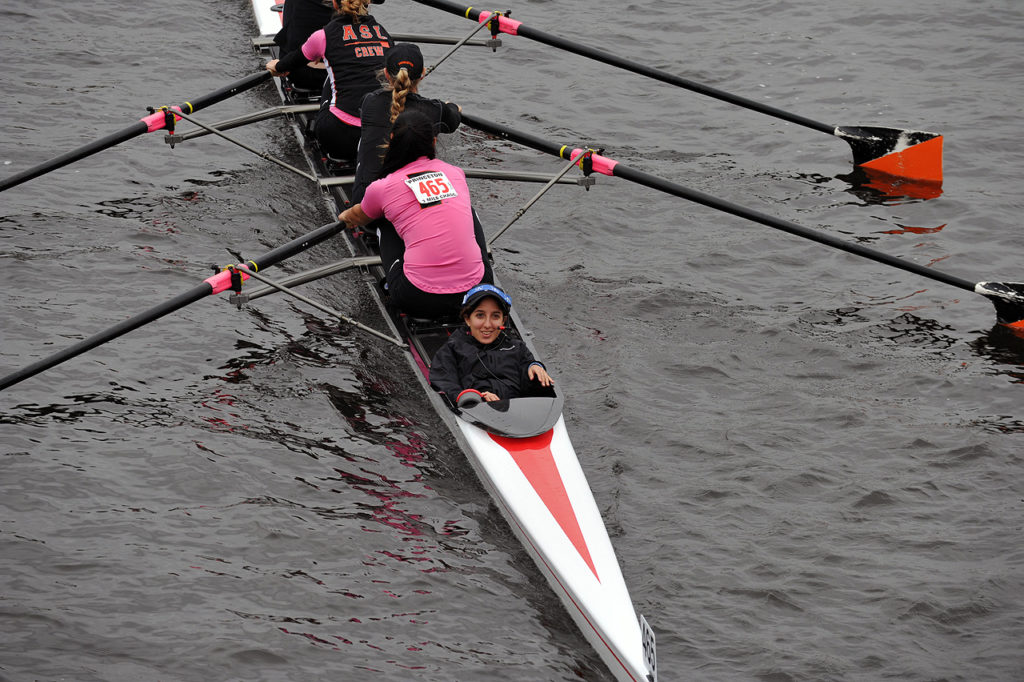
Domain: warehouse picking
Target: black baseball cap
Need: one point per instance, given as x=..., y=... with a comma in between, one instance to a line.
x=404, y=56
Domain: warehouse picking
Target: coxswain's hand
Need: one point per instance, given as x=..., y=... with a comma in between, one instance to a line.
x=489, y=397
x=538, y=373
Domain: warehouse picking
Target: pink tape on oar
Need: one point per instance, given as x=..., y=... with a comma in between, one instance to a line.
x=602, y=164
x=157, y=120
x=222, y=280
x=505, y=25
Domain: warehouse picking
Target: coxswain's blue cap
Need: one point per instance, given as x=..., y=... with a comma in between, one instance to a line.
x=482, y=291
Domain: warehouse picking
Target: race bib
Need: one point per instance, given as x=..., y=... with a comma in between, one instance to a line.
x=431, y=187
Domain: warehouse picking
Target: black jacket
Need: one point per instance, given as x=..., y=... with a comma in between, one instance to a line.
x=499, y=367
x=353, y=52
x=375, y=113
x=301, y=19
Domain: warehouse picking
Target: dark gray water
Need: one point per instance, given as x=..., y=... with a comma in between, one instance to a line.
x=809, y=462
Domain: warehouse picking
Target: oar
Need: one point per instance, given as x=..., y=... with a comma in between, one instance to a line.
x=158, y=120
x=222, y=281
x=905, y=153
x=1008, y=297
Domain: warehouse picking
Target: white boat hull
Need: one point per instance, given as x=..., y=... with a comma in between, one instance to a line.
x=540, y=488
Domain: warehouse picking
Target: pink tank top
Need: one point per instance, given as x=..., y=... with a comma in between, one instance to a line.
x=428, y=203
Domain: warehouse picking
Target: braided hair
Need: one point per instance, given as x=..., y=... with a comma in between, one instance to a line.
x=403, y=86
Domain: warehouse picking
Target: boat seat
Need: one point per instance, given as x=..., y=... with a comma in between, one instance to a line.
x=301, y=95
x=422, y=325
x=339, y=166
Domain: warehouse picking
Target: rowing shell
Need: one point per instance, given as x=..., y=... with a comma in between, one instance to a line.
x=521, y=452
x=538, y=485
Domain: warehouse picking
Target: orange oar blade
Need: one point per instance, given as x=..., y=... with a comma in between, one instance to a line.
x=922, y=161
x=895, y=186
x=910, y=154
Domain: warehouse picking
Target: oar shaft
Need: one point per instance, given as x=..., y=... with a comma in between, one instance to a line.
x=117, y=330
x=134, y=130
x=212, y=285
x=230, y=90
x=664, y=185
x=515, y=28
x=526, y=139
x=620, y=170
x=298, y=245
x=147, y=124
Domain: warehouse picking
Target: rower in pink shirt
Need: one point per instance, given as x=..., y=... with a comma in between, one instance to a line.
x=430, y=248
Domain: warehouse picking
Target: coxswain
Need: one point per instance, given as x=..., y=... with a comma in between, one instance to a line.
x=486, y=359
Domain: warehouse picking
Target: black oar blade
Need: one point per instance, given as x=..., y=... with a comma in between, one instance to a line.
x=1008, y=298
x=914, y=154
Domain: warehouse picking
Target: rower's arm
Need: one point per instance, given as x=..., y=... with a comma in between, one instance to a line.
x=353, y=216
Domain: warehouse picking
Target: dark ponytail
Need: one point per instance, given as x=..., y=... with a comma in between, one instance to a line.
x=412, y=136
